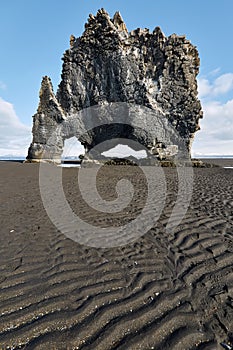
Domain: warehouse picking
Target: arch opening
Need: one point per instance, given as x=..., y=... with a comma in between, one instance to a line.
x=124, y=151
x=73, y=152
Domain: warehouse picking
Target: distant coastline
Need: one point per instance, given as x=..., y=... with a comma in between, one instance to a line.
x=74, y=158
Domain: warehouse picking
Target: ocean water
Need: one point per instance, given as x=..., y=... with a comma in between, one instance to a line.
x=63, y=165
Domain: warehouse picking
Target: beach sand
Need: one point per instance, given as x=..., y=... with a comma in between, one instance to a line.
x=166, y=290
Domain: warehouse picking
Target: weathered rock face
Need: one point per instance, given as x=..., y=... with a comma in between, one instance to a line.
x=108, y=64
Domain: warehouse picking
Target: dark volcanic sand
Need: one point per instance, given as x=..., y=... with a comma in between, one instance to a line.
x=224, y=162
x=164, y=291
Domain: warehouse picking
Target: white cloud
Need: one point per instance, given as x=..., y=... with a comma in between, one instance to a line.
x=204, y=87
x=2, y=85
x=215, y=72
x=216, y=135
x=15, y=136
x=221, y=85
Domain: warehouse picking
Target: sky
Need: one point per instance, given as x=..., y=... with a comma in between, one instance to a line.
x=35, y=34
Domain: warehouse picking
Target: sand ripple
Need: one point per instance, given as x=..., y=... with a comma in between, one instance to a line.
x=163, y=291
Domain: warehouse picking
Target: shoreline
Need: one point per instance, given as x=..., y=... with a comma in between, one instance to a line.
x=226, y=162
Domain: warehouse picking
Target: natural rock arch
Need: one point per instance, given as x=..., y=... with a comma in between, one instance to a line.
x=108, y=65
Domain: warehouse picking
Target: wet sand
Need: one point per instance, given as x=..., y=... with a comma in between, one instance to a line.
x=163, y=291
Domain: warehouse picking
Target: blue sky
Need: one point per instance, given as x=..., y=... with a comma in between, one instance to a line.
x=34, y=35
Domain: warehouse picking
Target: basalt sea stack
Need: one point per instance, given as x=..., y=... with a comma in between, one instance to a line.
x=108, y=65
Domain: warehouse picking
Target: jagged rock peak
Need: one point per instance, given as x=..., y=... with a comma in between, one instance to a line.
x=72, y=40
x=46, y=92
x=119, y=22
x=48, y=104
x=159, y=35
x=102, y=20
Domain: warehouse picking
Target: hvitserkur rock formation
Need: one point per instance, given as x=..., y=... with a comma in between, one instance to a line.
x=108, y=65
